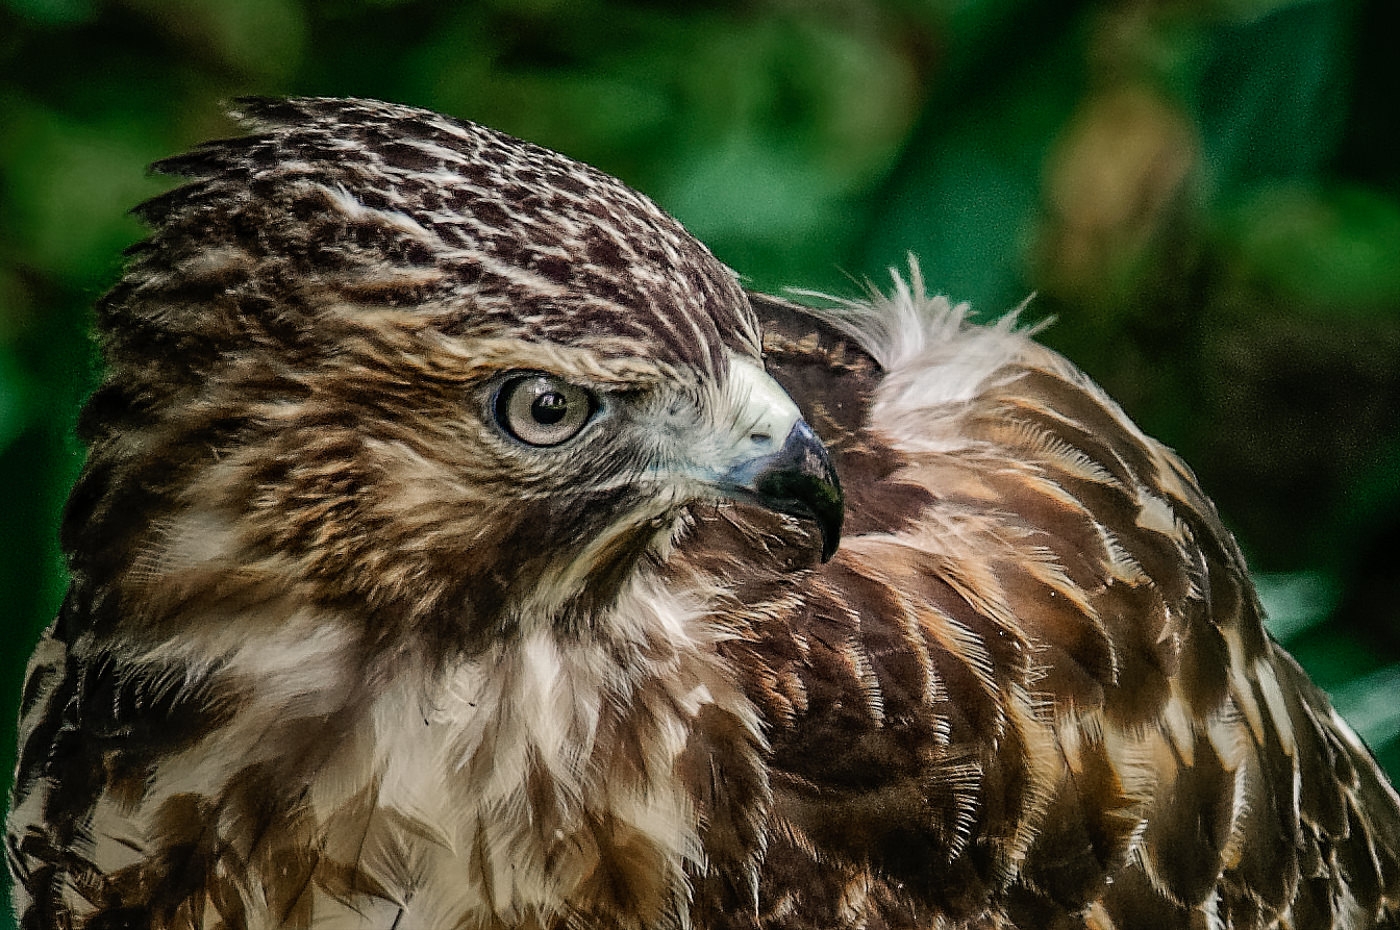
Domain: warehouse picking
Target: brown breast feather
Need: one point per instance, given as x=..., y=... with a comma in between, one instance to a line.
x=1033, y=689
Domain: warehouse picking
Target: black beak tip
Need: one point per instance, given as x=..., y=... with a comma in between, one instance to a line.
x=801, y=481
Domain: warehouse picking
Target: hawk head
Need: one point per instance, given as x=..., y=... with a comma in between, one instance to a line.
x=393, y=358
x=375, y=621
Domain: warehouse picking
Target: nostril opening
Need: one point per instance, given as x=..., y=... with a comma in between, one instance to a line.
x=760, y=437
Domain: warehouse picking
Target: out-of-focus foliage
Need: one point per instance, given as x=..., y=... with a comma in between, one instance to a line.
x=1204, y=193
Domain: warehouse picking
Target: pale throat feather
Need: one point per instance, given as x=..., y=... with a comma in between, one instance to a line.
x=492, y=792
x=535, y=765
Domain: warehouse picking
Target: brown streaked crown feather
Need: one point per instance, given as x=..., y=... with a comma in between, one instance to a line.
x=317, y=665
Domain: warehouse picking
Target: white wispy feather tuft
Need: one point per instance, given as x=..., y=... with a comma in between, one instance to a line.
x=900, y=326
x=934, y=356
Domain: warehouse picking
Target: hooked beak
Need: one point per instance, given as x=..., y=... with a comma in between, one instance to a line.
x=774, y=458
x=799, y=480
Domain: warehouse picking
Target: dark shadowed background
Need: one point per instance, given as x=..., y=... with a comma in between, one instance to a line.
x=1205, y=195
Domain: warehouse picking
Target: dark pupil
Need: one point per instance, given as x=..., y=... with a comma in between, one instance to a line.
x=549, y=408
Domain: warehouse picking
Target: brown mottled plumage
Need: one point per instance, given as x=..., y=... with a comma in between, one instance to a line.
x=444, y=558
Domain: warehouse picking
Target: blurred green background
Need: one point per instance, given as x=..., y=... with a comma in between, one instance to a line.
x=1205, y=194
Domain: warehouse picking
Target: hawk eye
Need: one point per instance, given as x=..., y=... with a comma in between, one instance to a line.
x=542, y=410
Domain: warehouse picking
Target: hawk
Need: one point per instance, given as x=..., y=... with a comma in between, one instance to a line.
x=461, y=546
